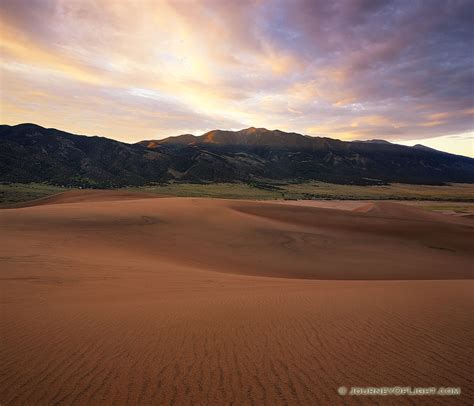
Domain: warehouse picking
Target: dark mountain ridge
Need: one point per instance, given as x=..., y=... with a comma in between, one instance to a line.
x=30, y=153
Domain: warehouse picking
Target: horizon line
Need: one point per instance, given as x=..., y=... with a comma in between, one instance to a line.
x=243, y=129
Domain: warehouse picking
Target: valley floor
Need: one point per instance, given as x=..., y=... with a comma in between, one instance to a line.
x=118, y=298
x=456, y=193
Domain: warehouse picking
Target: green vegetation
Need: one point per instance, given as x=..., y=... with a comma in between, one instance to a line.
x=213, y=190
x=16, y=193
x=454, y=208
x=314, y=190
x=395, y=191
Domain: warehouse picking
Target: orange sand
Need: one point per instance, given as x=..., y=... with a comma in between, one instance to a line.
x=126, y=300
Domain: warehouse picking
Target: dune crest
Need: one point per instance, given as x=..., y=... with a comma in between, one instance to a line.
x=86, y=196
x=386, y=241
x=401, y=211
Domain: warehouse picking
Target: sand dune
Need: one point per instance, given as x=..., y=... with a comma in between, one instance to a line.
x=87, y=196
x=404, y=212
x=124, y=300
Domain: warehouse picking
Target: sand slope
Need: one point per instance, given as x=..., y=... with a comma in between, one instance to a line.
x=86, y=196
x=197, y=301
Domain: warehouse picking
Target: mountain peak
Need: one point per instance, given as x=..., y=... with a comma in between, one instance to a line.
x=183, y=139
x=253, y=130
x=421, y=146
x=218, y=156
x=260, y=137
x=374, y=141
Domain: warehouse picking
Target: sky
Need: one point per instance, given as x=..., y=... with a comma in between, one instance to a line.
x=348, y=69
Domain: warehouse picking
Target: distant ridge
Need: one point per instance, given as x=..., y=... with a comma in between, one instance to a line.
x=425, y=148
x=30, y=153
x=373, y=141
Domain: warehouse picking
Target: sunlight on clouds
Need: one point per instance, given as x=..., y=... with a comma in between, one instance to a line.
x=159, y=68
x=372, y=120
x=33, y=56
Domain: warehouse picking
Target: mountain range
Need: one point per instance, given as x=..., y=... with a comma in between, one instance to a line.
x=30, y=153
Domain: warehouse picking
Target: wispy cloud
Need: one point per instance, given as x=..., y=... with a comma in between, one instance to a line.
x=398, y=70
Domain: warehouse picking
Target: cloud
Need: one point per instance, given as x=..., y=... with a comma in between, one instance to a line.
x=396, y=69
